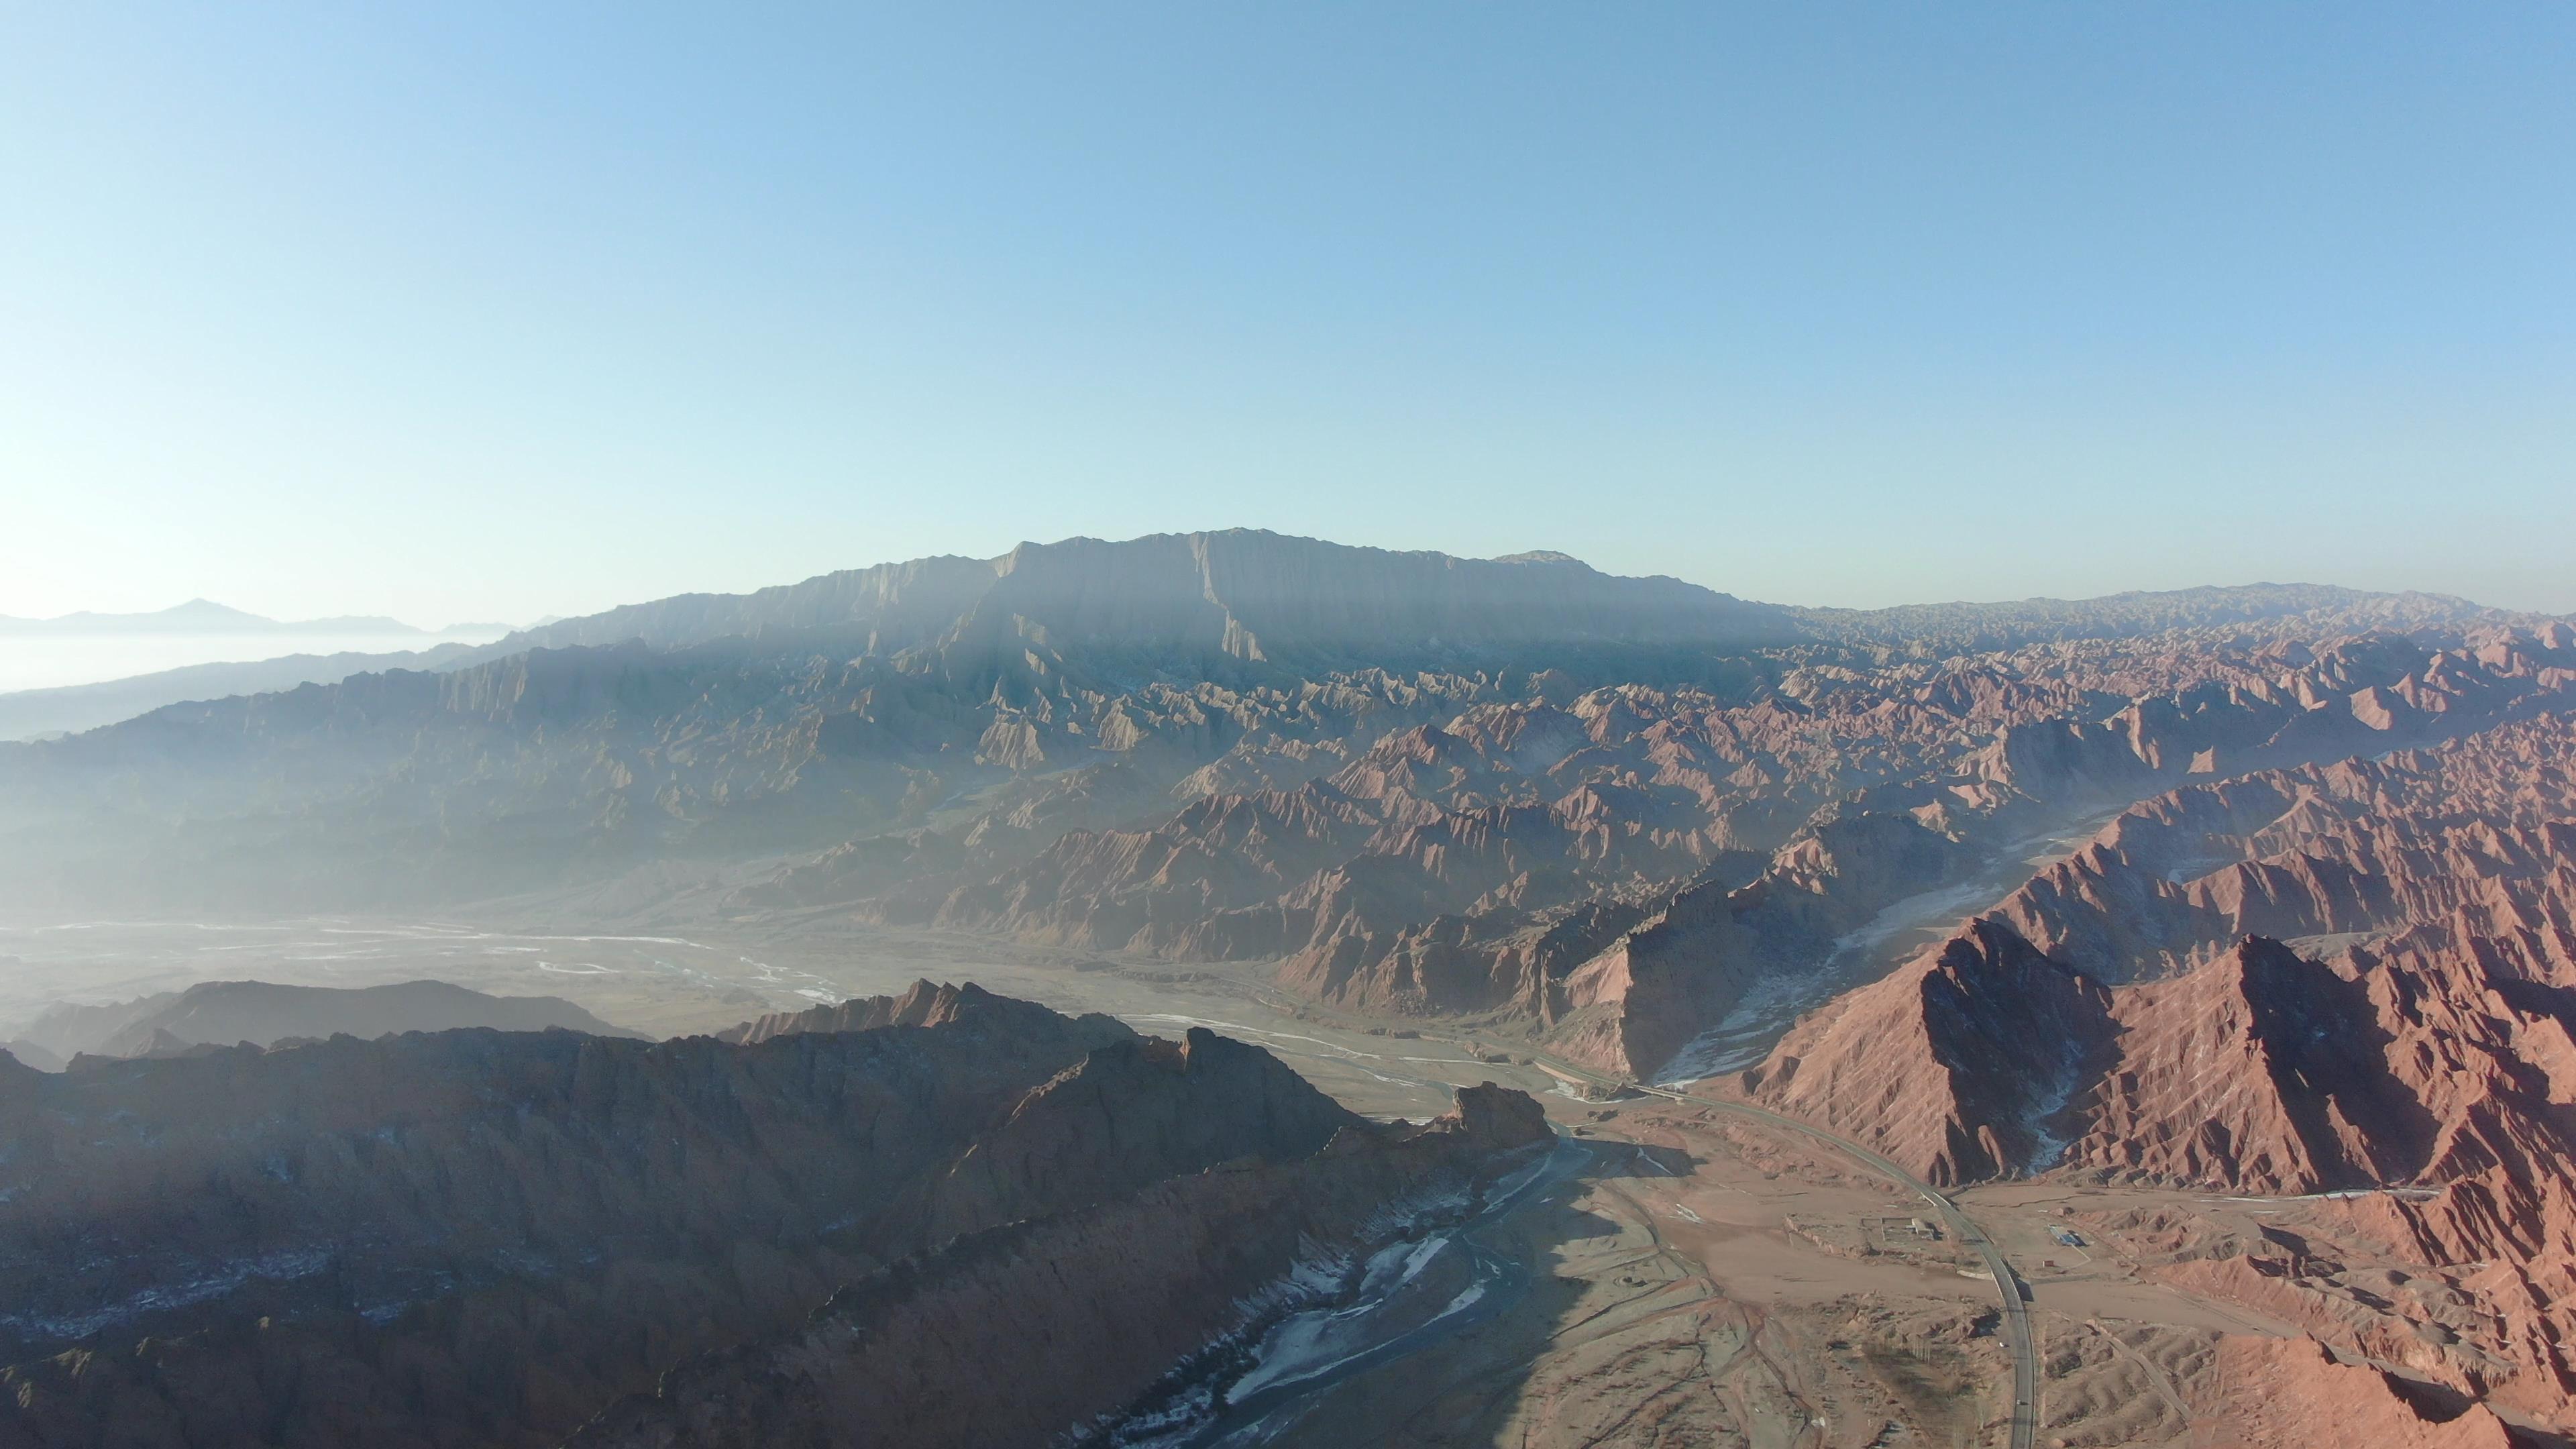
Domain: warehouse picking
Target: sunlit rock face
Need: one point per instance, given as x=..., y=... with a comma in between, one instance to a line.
x=2420, y=1036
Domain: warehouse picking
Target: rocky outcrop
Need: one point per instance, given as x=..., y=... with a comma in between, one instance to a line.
x=489, y=1237
x=2260, y=1071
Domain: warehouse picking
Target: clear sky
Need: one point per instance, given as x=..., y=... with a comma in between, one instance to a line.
x=486, y=311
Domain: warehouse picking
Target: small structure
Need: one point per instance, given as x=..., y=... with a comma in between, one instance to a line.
x=1900, y=1234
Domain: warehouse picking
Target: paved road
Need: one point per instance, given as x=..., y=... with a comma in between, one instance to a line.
x=2025, y=1414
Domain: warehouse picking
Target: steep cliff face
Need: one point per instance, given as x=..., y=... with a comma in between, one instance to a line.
x=1112, y=1297
x=486, y=1237
x=2432, y=1063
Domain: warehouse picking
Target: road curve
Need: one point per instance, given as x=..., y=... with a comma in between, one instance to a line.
x=2025, y=1413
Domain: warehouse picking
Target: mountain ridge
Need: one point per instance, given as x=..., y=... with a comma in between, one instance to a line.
x=485, y=1237
x=225, y=1013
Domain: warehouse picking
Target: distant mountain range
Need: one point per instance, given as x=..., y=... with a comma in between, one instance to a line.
x=227, y=1013
x=1080, y=684
x=1242, y=595
x=204, y=616
x=27, y=714
x=1831, y=863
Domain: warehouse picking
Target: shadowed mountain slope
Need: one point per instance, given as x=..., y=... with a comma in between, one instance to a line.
x=486, y=1237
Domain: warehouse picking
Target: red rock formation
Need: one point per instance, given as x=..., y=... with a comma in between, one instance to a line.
x=1445, y=868
x=2433, y=1053
x=2435, y=1050
x=1952, y=1066
x=2289, y=1393
x=2484, y=823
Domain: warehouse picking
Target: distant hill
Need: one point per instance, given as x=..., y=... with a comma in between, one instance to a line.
x=200, y=616
x=69, y=709
x=224, y=1013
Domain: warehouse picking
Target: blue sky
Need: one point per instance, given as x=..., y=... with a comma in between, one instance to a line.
x=492, y=311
